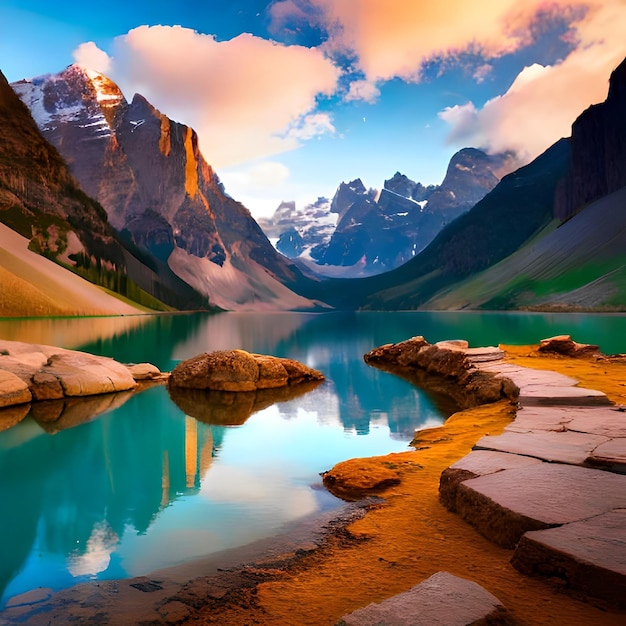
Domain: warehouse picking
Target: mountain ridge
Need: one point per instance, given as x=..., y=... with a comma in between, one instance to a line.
x=158, y=191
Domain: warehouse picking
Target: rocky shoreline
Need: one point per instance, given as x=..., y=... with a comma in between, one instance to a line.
x=358, y=559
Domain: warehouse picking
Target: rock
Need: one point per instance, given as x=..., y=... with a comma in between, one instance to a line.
x=298, y=373
x=238, y=370
x=589, y=555
x=476, y=463
x=46, y=386
x=272, y=372
x=441, y=600
x=610, y=455
x=144, y=371
x=451, y=361
x=505, y=505
x=223, y=370
x=562, y=447
x=403, y=353
x=551, y=395
x=82, y=374
x=357, y=478
x=13, y=390
x=563, y=344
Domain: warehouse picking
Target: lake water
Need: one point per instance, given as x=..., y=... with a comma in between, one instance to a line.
x=147, y=485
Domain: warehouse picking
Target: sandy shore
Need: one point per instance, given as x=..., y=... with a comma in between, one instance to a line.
x=331, y=567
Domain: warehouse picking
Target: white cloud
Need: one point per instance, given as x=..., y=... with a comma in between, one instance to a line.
x=90, y=56
x=310, y=126
x=363, y=90
x=242, y=96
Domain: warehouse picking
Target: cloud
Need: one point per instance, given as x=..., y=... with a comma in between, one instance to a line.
x=310, y=126
x=90, y=56
x=543, y=101
x=363, y=90
x=242, y=96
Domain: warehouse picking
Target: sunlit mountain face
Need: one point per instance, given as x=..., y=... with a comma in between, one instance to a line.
x=158, y=191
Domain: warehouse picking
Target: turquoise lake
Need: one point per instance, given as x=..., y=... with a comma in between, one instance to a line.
x=146, y=485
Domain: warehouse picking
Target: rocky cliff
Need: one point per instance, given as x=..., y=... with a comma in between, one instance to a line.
x=41, y=200
x=598, y=162
x=158, y=191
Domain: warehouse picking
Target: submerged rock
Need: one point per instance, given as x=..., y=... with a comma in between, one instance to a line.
x=238, y=370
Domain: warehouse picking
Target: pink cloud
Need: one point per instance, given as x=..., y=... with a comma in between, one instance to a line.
x=242, y=96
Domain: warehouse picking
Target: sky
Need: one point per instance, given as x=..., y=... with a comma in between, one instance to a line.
x=292, y=97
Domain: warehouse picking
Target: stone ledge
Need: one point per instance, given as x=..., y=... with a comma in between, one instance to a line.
x=505, y=505
x=589, y=555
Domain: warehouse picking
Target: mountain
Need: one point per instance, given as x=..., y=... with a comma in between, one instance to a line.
x=579, y=261
x=549, y=236
x=158, y=191
x=298, y=232
x=376, y=232
x=41, y=201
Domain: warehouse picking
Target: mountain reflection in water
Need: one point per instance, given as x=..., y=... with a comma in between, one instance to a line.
x=117, y=487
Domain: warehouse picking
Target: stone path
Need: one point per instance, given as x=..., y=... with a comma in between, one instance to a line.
x=553, y=485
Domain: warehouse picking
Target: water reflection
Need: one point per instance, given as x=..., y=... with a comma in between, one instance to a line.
x=78, y=493
x=148, y=485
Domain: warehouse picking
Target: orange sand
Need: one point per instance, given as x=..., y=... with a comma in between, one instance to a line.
x=411, y=536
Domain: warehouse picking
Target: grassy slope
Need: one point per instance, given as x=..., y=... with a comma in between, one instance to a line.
x=579, y=265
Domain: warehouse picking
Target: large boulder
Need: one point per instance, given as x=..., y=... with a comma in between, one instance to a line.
x=238, y=370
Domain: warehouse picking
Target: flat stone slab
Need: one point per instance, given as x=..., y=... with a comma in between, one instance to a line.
x=527, y=376
x=547, y=395
x=610, y=455
x=484, y=355
x=608, y=421
x=505, y=505
x=483, y=462
x=474, y=464
x=441, y=600
x=589, y=555
x=561, y=447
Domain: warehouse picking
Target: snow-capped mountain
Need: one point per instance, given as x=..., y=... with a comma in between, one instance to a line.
x=298, y=232
x=158, y=191
x=376, y=232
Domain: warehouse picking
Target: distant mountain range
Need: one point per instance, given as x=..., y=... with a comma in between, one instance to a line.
x=118, y=196
x=376, y=232
x=159, y=194
x=549, y=236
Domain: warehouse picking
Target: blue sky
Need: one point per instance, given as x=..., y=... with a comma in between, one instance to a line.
x=292, y=97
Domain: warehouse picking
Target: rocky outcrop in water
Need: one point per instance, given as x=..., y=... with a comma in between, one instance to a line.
x=238, y=370
x=449, y=366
